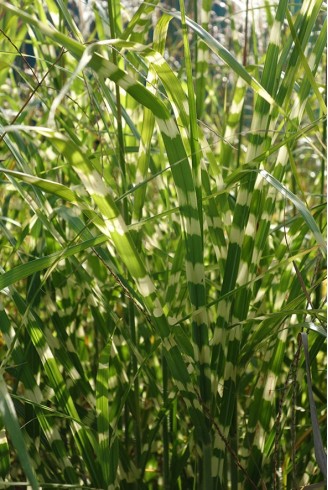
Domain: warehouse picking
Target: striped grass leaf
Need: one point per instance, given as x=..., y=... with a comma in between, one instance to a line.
x=148, y=123
x=201, y=57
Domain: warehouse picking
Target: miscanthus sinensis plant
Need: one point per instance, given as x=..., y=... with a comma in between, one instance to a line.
x=162, y=308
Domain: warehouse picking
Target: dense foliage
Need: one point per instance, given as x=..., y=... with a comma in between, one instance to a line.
x=162, y=214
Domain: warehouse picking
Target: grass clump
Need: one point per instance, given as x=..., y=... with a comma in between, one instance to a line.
x=162, y=245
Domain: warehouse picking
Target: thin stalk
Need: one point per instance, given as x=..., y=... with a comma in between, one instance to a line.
x=120, y=135
x=323, y=160
x=126, y=217
x=197, y=292
x=174, y=434
x=245, y=38
x=166, y=454
x=201, y=16
x=241, y=120
x=240, y=137
x=136, y=389
x=234, y=447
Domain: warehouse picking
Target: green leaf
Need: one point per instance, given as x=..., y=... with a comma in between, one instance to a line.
x=320, y=453
x=8, y=413
x=299, y=205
